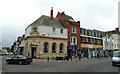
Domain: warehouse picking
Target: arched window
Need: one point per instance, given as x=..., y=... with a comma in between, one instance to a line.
x=45, y=47
x=61, y=48
x=54, y=48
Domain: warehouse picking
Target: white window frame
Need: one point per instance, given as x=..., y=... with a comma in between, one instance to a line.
x=53, y=30
x=74, y=30
x=72, y=40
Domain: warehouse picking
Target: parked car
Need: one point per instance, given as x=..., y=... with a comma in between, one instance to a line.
x=116, y=58
x=10, y=53
x=6, y=53
x=19, y=59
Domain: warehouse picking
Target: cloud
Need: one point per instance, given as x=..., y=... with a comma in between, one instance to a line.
x=16, y=15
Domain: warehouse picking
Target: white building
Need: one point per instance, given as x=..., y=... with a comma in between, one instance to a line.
x=46, y=37
x=111, y=42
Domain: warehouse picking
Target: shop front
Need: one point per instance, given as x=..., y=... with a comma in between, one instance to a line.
x=89, y=50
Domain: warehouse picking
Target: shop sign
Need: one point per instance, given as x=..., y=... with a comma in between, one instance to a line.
x=89, y=46
x=97, y=46
x=83, y=45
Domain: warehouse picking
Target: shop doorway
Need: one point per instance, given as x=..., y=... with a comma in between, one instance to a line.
x=33, y=52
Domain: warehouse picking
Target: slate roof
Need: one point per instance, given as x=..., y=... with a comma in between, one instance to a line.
x=69, y=18
x=45, y=21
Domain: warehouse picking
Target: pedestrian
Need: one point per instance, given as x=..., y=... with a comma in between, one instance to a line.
x=48, y=58
x=71, y=58
x=79, y=55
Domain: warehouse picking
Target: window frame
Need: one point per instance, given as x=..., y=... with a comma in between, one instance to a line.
x=74, y=30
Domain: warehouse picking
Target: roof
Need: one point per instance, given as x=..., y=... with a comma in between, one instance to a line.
x=113, y=32
x=45, y=21
x=69, y=18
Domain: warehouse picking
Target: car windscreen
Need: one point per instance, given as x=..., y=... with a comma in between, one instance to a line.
x=116, y=54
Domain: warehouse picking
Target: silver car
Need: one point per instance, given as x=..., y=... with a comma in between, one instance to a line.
x=116, y=58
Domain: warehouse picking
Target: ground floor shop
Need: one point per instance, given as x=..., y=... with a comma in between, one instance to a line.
x=44, y=47
x=89, y=50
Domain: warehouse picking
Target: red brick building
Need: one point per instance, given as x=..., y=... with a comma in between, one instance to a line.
x=73, y=30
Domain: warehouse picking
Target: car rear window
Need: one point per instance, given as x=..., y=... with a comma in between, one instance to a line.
x=116, y=54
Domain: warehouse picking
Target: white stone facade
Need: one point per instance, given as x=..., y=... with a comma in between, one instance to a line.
x=47, y=31
x=111, y=42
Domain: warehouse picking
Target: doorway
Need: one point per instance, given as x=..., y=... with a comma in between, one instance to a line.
x=33, y=53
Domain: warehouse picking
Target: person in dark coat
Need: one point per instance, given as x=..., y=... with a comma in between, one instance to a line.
x=79, y=55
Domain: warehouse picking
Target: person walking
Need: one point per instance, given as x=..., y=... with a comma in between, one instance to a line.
x=79, y=55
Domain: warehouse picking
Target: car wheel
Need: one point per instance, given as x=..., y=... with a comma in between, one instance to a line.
x=8, y=62
x=113, y=64
x=26, y=63
x=20, y=62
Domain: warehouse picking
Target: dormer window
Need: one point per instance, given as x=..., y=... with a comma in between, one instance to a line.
x=73, y=30
x=34, y=29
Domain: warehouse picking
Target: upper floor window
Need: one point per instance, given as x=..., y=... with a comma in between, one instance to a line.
x=73, y=40
x=91, y=40
x=34, y=29
x=61, y=30
x=86, y=39
x=82, y=31
x=53, y=30
x=73, y=30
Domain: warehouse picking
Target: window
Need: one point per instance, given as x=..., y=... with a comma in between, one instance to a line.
x=91, y=40
x=61, y=30
x=53, y=30
x=54, y=48
x=61, y=48
x=34, y=29
x=83, y=39
x=73, y=30
x=45, y=47
x=86, y=39
x=73, y=40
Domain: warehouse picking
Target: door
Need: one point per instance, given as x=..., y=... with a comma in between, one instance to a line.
x=33, y=53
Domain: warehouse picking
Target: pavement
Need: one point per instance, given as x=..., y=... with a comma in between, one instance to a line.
x=74, y=59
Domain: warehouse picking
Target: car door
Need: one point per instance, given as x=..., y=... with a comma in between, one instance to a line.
x=14, y=59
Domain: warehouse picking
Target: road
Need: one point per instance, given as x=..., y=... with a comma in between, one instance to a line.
x=93, y=65
x=0, y=64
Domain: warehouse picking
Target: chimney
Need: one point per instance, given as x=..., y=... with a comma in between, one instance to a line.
x=51, y=14
x=117, y=29
x=78, y=22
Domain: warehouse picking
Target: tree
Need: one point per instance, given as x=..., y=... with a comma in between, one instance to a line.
x=7, y=48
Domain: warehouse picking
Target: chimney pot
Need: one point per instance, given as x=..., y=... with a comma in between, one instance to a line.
x=51, y=14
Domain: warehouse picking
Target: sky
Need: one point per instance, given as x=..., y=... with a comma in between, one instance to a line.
x=16, y=15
